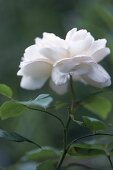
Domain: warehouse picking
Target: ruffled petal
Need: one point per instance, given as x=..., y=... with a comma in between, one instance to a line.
x=75, y=35
x=97, y=77
x=101, y=54
x=32, y=53
x=59, y=89
x=72, y=64
x=54, y=40
x=37, y=72
x=50, y=36
x=96, y=45
x=38, y=40
x=58, y=77
x=78, y=47
x=80, y=35
x=80, y=69
x=98, y=50
x=54, y=54
x=70, y=34
x=32, y=83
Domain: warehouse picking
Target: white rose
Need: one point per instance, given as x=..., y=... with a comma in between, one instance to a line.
x=57, y=58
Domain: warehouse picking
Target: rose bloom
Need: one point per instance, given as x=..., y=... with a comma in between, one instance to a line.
x=52, y=57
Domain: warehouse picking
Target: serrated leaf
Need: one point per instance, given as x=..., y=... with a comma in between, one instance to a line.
x=87, y=150
x=5, y=90
x=43, y=100
x=13, y=136
x=42, y=154
x=11, y=109
x=47, y=165
x=98, y=105
x=93, y=124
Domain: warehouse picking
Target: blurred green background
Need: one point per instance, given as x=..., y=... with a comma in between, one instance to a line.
x=20, y=23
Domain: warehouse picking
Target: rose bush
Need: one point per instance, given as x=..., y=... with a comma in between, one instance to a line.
x=76, y=55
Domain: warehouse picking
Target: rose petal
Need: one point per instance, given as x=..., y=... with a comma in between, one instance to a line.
x=70, y=34
x=100, y=54
x=78, y=47
x=50, y=36
x=71, y=64
x=75, y=35
x=58, y=77
x=81, y=69
x=32, y=83
x=32, y=53
x=54, y=54
x=96, y=45
x=80, y=35
x=59, y=89
x=54, y=40
x=37, y=72
x=97, y=77
x=38, y=40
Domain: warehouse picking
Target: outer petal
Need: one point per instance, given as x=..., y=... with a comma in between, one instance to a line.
x=97, y=77
x=35, y=74
x=100, y=54
x=98, y=50
x=59, y=89
x=32, y=83
x=58, y=77
x=72, y=64
x=32, y=53
x=97, y=45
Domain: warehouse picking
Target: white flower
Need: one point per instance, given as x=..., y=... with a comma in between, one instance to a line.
x=78, y=54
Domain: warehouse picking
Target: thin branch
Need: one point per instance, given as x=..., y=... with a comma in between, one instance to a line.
x=76, y=140
x=72, y=88
x=109, y=159
x=87, y=136
x=71, y=112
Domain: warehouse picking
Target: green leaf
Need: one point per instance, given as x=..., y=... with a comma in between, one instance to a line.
x=90, y=148
x=93, y=124
x=43, y=100
x=13, y=136
x=59, y=105
x=22, y=166
x=5, y=90
x=11, y=109
x=47, y=165
x=98, y=105
x=42, y=154
x=87, y=150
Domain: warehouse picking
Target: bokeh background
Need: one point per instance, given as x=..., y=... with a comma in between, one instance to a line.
x=20, y=23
